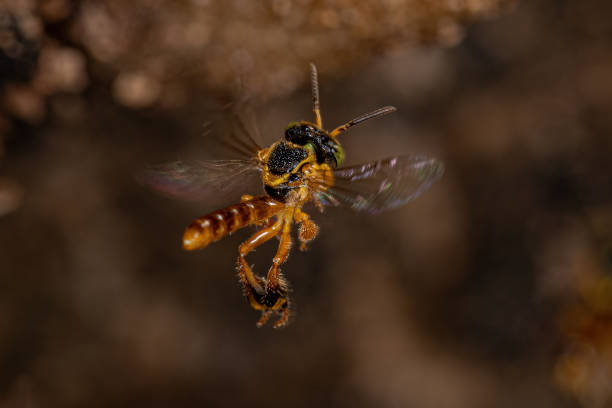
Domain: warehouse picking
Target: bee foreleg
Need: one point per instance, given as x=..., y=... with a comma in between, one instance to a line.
x=307, y=231
x=254, y=286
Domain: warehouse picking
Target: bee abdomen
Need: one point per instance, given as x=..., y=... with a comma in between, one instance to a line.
x=214, y=226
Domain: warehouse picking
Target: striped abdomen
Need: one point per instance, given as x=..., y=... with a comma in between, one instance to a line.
x=216, y=225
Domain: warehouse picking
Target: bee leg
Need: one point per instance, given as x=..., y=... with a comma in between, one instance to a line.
x=284, y=316
x=276, y=286
x=308, y=229
x=265, y=315
x=254, y=286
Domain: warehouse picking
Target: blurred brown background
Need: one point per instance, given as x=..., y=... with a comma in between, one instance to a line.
x=491, y=290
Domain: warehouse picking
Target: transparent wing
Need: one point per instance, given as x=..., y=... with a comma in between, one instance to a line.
x=202, y=180
x=233, y=132
x=238, y=132
x=381, y=185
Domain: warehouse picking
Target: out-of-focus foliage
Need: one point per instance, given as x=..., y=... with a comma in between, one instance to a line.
x=493, y=289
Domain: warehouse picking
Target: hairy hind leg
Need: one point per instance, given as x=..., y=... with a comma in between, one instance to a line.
x=254, y=286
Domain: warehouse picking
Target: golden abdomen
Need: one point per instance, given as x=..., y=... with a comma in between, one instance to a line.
x=214, y=226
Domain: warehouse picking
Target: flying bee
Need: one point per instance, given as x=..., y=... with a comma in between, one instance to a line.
x=304, y=166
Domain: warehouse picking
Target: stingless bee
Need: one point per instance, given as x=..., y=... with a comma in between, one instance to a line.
x=303, y=166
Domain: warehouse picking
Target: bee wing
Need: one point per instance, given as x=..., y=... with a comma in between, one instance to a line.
x=232, y=132
x=202, y=180
x=381, y=185
x=238, y=131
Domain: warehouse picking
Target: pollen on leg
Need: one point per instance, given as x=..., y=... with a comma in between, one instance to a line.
x=307, y=232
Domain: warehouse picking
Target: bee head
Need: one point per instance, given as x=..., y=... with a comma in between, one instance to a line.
x=312, y=137
x=300, y=132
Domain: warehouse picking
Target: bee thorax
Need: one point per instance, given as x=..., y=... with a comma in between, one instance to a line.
x=285, y=157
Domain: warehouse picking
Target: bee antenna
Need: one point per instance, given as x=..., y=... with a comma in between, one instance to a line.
x=314, y=79
x=375, y=114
